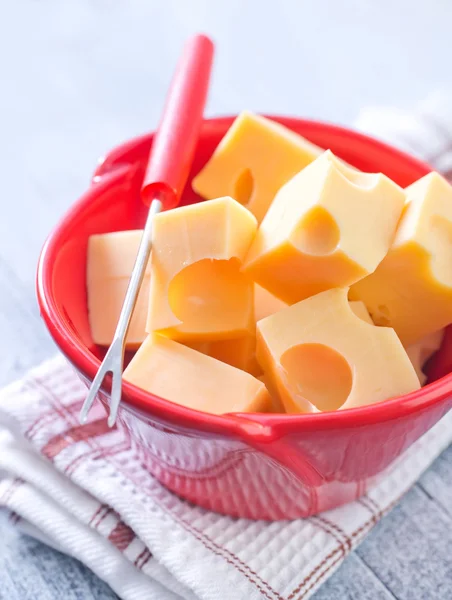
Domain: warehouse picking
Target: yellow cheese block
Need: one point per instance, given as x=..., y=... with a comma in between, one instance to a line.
x=329, y=226
x=184, y=376
x=265, y=304
x=113, y=255
x=197, y=289
x=241, y=352
x=110, y=260
x=421, y=351
x=411, y=290
x=254, y=159
x=277, y=405
x=319, y=355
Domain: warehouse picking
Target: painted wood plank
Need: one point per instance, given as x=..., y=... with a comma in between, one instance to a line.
x=410, y=549
x=437, y=481
x=354, y=581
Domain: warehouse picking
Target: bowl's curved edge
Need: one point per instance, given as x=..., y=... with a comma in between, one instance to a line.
x=254, y=428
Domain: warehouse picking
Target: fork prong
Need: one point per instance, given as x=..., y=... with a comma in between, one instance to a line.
x=93, y=391
x=114, y=359
x=116, y=390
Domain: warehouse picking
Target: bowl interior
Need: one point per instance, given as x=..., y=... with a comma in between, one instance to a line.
x=113, y=203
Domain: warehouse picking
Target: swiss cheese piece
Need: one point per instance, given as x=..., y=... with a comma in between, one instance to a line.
x=329, y=226
x=184, y=376
x=198, y=290
x=241, y=352
x=319, y=355
x=113, y=255
x=265, y=304
x=421, y=351
x=254, y=159
x=110, y=261
x=277, y=405
x=411, y=290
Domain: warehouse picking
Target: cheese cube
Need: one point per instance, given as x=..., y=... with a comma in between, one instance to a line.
x=277, y=405
x=110, y=261
x=411, y=290
x=197, y=289
x=329, y=226
x=254, y=159
x=319, y=355
x=113, y=255
x=421, y=351
x=239, y=353
x=265, y=304
x=180, y=374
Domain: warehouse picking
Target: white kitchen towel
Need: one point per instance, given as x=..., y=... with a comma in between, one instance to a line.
x=83, y=490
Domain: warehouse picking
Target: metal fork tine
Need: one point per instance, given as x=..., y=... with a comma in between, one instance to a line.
x=93, y=391
x=116, y=384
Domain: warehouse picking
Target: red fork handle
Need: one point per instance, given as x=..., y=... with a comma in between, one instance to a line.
x=175, y=141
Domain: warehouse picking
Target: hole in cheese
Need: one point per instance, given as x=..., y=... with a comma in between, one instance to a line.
x=208, y=293
x=319, y=374
x=244, y=187
x=317, y=233
x=360, y=310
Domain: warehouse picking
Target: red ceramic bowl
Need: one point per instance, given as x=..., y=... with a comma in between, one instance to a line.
x=259, y=466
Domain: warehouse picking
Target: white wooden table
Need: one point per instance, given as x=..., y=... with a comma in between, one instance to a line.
x=79, y=76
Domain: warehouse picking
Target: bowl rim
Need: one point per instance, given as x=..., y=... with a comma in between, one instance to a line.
x=263, y=427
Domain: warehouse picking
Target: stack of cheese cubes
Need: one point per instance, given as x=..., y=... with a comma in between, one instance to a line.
x=299, y=285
